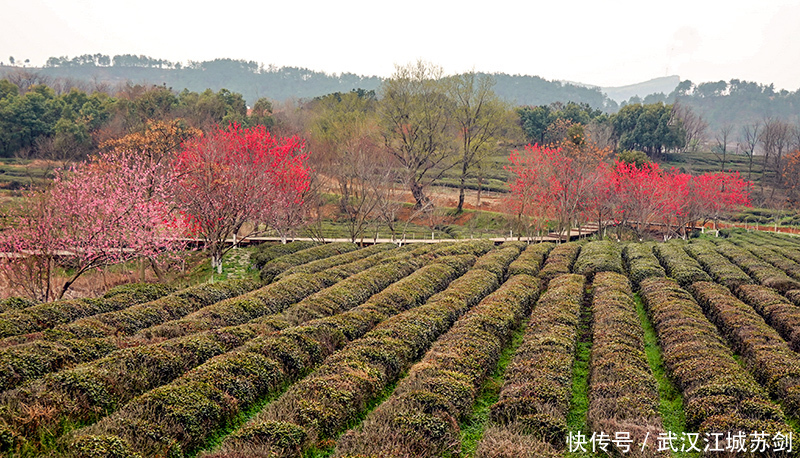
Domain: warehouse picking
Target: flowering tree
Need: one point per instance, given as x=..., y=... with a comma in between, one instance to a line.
x=556, y=181
x=110, y=209
x=234, y=176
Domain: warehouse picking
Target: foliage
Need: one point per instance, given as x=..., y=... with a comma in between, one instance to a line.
x=623, y=394
x=113, y=208
x=538, y=382
x=717, y=390
x=234, y=176
x=556, y=181
x=651, y=128
x=415, y=115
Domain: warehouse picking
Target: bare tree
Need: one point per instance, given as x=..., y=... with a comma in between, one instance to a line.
x=775, y=140
x=416, y=118
x=694, y=125
x=24, y=79
x=480, y=115
x=748, y=138
x=720, y=150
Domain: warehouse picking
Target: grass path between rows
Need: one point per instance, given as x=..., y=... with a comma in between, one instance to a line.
x=670, y=399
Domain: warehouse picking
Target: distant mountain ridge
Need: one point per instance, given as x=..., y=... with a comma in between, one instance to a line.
x=664, y=85
x=254, y=81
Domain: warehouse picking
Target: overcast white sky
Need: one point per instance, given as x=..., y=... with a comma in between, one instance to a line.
x=606, y=43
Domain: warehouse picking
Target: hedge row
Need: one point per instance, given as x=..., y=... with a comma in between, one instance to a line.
x=599, y=256
x=276, y=266
x=560, y=261
x=266, y=252
x=93, y=337
x=641, y=263
x=269, y=299
x=324, y=403
x=767, y=355
x=761, y=271
x=678, y=264
x=794, y=296
x=718, y=267
x=182, y=414
x=421, y=417
x=24, y=362
x=15, y=303
x=333, y=261
x=531, y=260
x=779, y=312
x=778, y=260
x=623, y=394
x=719, y=395
x=43, y=316
x=127, y=373
x=498, y=260
x=538, y=381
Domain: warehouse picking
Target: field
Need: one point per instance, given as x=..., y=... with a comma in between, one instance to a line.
x=454, y=349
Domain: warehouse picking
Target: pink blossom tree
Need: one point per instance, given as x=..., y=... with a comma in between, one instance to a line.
x=112, y=208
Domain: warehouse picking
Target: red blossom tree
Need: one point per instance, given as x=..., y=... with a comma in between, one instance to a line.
x=238, y=179
x=556, y=181
x=551, y=183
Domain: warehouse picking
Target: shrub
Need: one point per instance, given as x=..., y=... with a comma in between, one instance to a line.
x=205, y=399
x=761, y=271
x=776, y=310
x=720, y=268
x=700, y=362
x=443, y=386
x=531, y=260
x=538, y=381
x=641, y=262
x=326, y=401
x=559, y=261
x=599, y=256
x=43, y=316
x=678, y=264
x=15, y=303
x=276, y=266
x=267, y=252
x=622, y=389
x=768, y=356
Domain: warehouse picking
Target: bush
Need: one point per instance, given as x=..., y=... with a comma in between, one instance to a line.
x=761, y=271
x=559, y=261
x=323, y=403
x=720, y=269
x=205, y=399
x=15, y=303
x=678, y=264
x=599, y=256
x=267, y=252
x=776, y=310
x=443, y=386
x=622, y=388
x=44, y=316
x=538, y=381
x=277, y=265
x=768, y=356
x=641, y=262
x=531, y=260
x=700, y=362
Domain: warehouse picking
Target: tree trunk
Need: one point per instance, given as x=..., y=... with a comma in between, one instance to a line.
x=420, y=198
x=480, y=188
x=157, y=270
x=461, y=186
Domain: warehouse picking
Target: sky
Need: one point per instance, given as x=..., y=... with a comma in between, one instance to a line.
x=604, y=43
